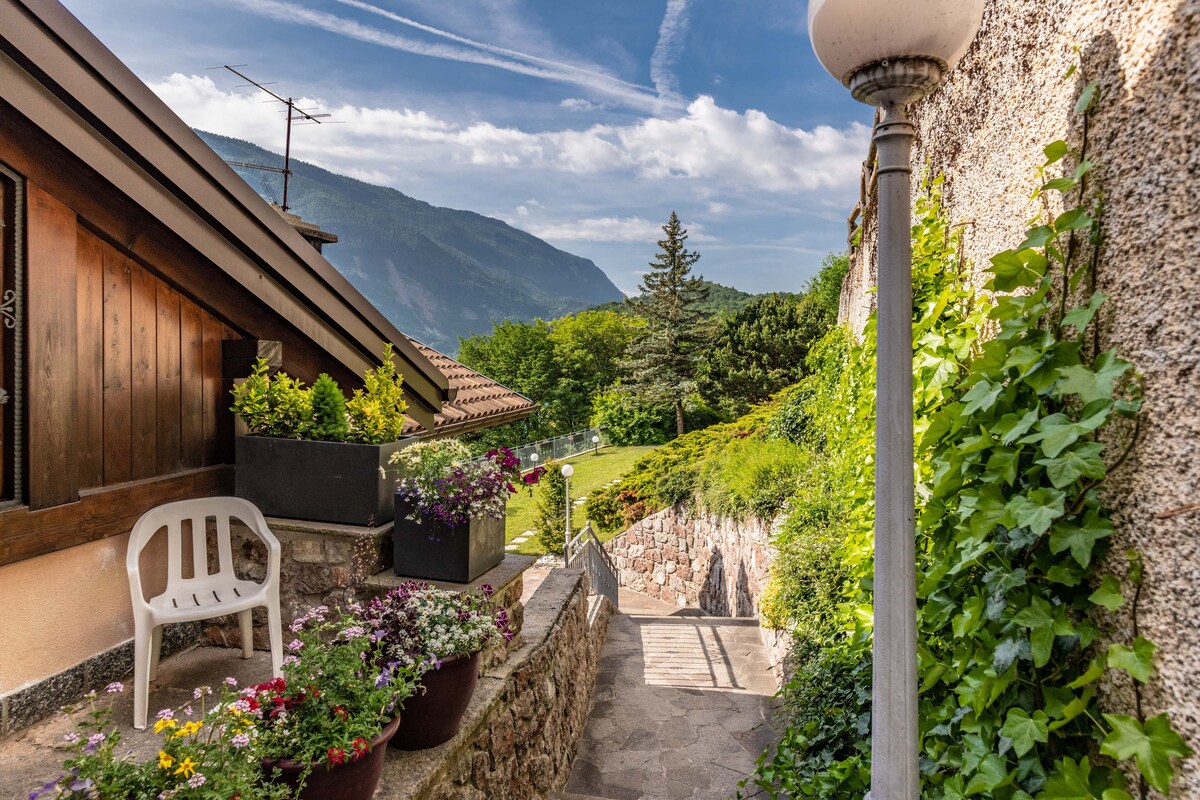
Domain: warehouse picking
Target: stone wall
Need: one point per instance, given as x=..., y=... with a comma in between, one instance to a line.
x=984, y=130
x=687, y=558
x=521, y=730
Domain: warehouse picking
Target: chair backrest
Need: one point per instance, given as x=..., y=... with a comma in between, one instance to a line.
x=172, y=516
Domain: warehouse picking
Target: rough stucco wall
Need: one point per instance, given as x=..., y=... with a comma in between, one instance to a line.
x=985, y=130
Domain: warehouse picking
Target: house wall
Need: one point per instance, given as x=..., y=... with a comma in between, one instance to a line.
x=984, y=130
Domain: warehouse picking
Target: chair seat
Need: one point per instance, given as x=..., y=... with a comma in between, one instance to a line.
x=209, y=597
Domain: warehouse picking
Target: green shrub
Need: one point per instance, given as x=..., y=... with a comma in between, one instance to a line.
x=329, y=411
x=751, y=477
x=273, y=405
x=627, y=424
x=604, y=510
x=376, y=412
x=550, y=521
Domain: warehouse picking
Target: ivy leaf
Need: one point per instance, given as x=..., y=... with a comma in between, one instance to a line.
x=1011, y=427
x=1060, y=185
x=1055, y=151
x=1056, y=433
x=1070, y=781
x=1037, y=237
x=1038, y=616
x=1152, y=746
x=1094, y=672
x=1005, y=654
x=1115, y=794
x=1024, y=730
x=1038, y=509
x=1080, y=317
x=1138, y=660
x=1013, y=272
x=1087, y=98
x=1109, y=594
x=1095, y=383
x=1081, y=462
x=1074, y=219
x=1080, y=539
x=981, y=397
x=991, y=774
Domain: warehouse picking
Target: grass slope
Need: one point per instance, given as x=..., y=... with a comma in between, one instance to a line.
x=591, y=472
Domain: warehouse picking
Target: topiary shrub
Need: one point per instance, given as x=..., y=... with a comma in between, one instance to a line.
x=329, y=411
x=551, y=520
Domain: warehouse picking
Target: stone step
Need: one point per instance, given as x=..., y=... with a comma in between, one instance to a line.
x=570, y=796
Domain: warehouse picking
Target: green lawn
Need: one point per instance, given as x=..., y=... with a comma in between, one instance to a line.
x=591, y=472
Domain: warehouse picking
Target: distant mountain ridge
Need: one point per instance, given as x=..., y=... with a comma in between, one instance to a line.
x=436, y=273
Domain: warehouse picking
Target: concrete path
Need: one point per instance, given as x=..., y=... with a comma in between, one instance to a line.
x=683, y=706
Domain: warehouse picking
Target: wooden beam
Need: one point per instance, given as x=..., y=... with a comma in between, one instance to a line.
x=101, y=513
x=52, y=349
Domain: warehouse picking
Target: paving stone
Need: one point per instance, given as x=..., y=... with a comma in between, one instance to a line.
x=683, y=706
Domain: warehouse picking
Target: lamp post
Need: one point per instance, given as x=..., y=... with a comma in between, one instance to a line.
x=567, y=472
x=890, y=53
x=595, y=444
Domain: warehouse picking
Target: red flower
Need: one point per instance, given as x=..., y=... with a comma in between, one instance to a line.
x=361, y=748
x=341, y=712
x=336, y=755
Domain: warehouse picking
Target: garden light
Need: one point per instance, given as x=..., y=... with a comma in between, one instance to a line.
x=890, y=53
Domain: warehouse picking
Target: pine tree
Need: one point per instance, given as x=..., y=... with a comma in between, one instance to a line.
x=663, y=364
x=329, y=410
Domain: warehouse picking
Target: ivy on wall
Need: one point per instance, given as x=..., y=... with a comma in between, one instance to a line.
x=1017, y=431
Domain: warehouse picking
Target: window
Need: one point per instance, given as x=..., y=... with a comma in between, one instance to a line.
x=11, y=334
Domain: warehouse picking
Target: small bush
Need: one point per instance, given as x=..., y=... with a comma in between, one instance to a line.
x=376, y=412
x=273, y=405
x=551, y=519
x=329, y=411
x=604, y=510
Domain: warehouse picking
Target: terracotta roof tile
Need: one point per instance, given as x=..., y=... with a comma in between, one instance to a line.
x=479, y=402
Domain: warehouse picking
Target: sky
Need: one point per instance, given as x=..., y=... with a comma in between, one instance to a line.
x=583, y=123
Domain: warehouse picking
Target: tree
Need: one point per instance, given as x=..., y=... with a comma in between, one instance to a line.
x=763, y=348
x=550, y=522
x=588, y=349
x=662, y=365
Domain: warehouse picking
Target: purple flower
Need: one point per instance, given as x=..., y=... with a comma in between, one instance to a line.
x=115, y=687
x=96, y=739
x=196, y=781
x=241, y=740
x=295, y=644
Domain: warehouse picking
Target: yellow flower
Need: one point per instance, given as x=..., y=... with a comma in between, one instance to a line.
x=186, y=767
x=187, y=730
x=163, y=723
x=164, y=760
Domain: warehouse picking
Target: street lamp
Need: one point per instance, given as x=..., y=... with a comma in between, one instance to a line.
x=890, y=53
x=596, y=444
x=567, y=472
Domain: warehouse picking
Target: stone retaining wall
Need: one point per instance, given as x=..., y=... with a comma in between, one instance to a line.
x=689, y=558
x=521, y=730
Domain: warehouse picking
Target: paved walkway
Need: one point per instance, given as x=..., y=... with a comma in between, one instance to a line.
x=682, y=706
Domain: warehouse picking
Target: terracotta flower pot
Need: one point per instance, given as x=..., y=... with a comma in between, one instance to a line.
x=433, y=716
x=352, y=780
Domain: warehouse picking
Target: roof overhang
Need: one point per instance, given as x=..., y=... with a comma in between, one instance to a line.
x=64, y=80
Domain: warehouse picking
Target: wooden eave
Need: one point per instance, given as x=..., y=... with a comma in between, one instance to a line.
x=63, y=79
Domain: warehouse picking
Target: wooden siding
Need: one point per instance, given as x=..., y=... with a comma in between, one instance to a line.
x=156, y=357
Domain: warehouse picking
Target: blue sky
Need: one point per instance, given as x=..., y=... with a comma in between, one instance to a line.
x=583, y=123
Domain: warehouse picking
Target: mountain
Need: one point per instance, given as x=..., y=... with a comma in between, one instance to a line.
x=722, y=300
x=436, y=273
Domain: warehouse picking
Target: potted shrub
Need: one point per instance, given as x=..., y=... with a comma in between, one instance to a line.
x=324, y=726
x=450, y=509
x=204, y=753
x=441, y=634
x=313, y=454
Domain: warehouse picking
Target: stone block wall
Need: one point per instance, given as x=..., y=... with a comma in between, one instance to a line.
x=521, y=730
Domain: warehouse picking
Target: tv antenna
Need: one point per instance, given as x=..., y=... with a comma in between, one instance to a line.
x=294, y=114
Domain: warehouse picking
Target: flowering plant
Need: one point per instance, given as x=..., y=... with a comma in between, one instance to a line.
x=212, y=754
x=442, y=482
x=336, y=693
x=419, y=625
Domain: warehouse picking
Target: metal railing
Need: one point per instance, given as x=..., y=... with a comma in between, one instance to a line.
x=560, y=447
x=585, y=551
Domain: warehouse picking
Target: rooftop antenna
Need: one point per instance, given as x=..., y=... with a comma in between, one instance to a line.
x=294, y=114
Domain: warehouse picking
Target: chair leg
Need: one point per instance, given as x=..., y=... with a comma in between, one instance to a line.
x=246, y=622
x=141, y=674
x=155, y=651
x=275, y=625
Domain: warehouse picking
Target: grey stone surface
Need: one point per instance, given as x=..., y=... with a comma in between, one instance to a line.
x=683, y=706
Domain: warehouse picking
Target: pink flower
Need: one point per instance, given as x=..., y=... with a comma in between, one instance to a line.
x=241, y=740
x=115, y=687
x=295, y=644
x=231, y=683
x=196, y=781
x=166, y=713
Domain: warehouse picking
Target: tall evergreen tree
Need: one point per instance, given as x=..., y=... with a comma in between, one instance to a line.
x=662, y=365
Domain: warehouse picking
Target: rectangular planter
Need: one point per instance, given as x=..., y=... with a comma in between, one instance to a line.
x=320, y=481
x=433, y=552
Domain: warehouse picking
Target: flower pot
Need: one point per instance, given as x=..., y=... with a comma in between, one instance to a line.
x=352, y=780
x=320, y=481
x=434, y=713
x=432, y=551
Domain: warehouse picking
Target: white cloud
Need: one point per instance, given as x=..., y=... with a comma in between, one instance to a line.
x=472, y=51
x=579, y=104
x=719, y=209
x=609, y=229
x=709, y=146
x=671, y=33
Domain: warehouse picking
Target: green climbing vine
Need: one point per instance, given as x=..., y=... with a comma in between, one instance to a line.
x=1021, y=417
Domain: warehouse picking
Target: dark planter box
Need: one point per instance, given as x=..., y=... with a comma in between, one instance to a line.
x=319, y=481
x=433, y=552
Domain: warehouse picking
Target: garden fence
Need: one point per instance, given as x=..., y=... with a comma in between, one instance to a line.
x=560, y=447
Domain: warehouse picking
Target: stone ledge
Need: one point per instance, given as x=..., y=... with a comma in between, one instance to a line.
x=497, y=577
x=520, y=731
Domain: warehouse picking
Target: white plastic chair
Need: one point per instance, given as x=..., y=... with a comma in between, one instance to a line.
x=202, y=596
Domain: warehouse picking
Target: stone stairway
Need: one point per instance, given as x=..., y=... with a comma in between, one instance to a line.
x=682, y=707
